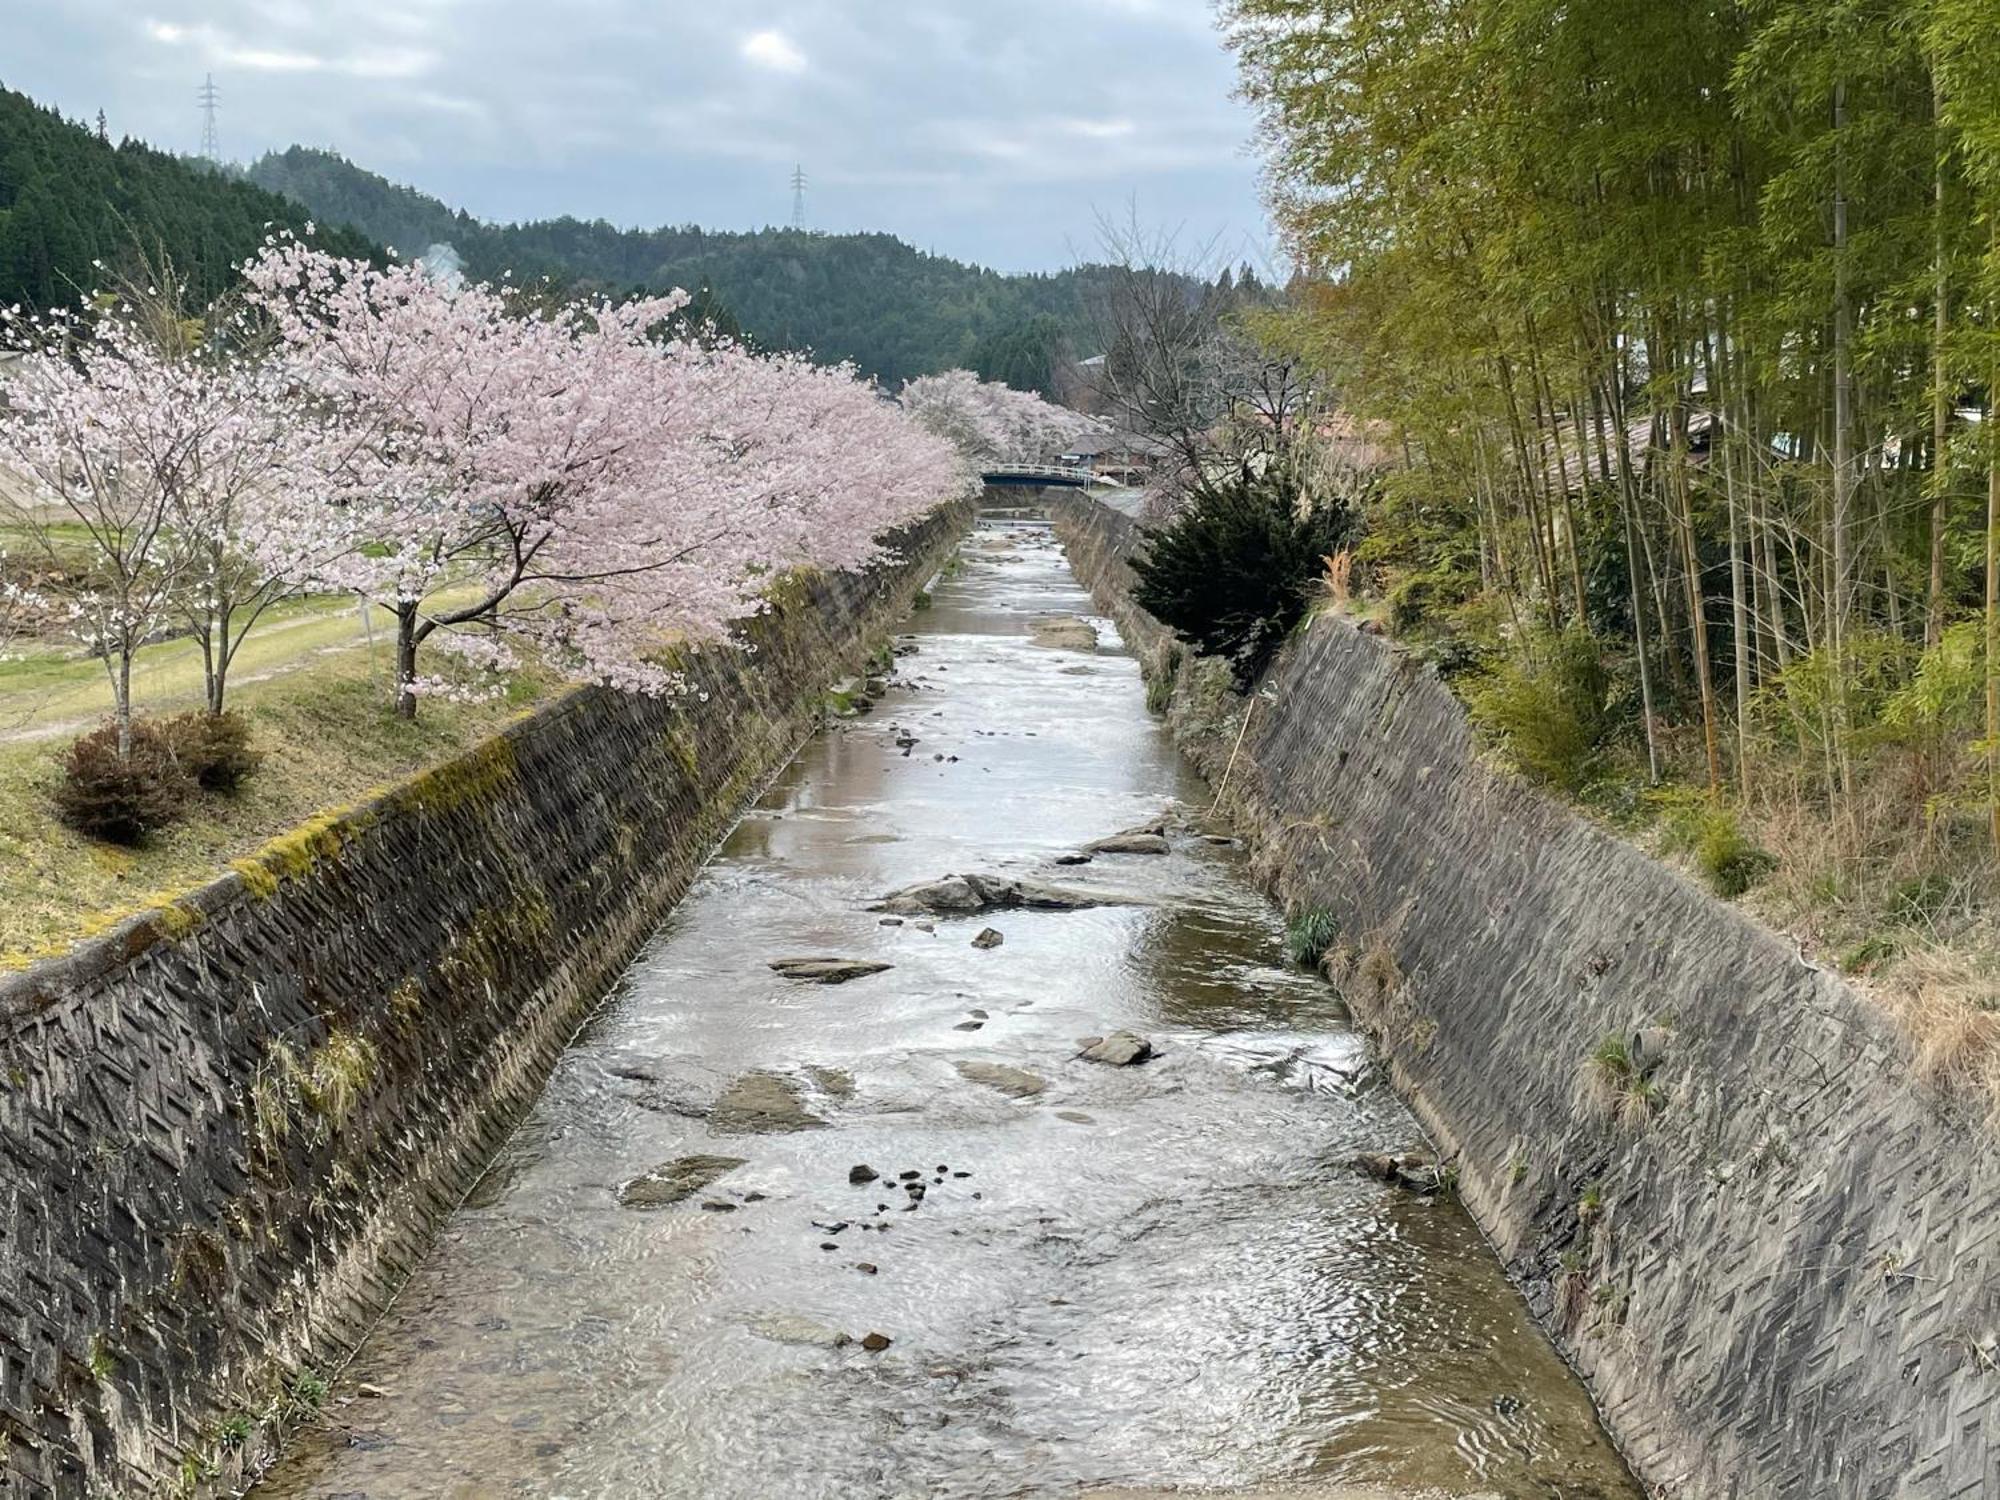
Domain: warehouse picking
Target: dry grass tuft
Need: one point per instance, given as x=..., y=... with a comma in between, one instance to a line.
x=1379, y=967
x=1946, y=1007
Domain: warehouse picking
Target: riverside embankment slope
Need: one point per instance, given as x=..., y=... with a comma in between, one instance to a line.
x=229, y=1128
x=1079, y=1275
x=1780, y=1284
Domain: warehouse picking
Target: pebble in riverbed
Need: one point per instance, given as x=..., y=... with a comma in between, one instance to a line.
x=1063, y=633
x=1132, y=841
x=836, y=1081
x=989, y=937
x=956, y=895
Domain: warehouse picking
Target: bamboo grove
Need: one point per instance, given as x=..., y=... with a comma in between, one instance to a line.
x=1685, y=317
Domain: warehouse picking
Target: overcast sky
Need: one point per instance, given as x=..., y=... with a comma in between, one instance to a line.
x=992, y=130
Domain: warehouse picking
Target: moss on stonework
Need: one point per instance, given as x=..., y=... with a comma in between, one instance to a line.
x=261, y=883
x=179, y=920
x=473, y=777
x=680, y=745
x=299, y=851
x=475, y=953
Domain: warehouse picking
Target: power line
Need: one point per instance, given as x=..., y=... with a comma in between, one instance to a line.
x=798, y=197
x=208, y=98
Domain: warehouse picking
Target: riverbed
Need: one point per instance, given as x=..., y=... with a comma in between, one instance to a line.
x=1079, y=1277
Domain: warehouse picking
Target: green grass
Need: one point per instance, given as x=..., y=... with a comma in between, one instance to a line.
x=329, y=741
x=48, y=685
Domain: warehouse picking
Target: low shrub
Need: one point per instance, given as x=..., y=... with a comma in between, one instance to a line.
x=1160, y=683
x=213, y=748
x=1728, y=856
x=1309, y=935
x=1920, y=900
x=121, y=799
x=1546, y=708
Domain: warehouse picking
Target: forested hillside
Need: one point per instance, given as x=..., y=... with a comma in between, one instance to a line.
x=69, y=197
x=892, y=309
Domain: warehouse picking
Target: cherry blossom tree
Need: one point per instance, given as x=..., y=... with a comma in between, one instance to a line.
x=131, y=457
x=579, y=476
x=255, y=437
x=991, y=422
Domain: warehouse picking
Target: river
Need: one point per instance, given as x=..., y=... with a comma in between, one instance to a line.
x=1152, y=1277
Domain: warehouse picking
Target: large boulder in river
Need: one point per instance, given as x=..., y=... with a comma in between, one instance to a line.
x=1063, y=633
x=968, y=895
x=759, y=1104
x=828, y=970
x=675, y=1181
x=1122, y=1049
x=1132, y=841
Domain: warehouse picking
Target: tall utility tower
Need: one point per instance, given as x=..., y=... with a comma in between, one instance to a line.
x=798, y=197
x=211, y=143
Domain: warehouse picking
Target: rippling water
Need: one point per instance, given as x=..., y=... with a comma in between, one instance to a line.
x=1164, y=1276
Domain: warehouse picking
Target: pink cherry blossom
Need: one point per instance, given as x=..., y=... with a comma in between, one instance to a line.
x=584, y=479
x=992, y=422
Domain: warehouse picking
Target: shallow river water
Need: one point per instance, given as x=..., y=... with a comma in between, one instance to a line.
x=1164, y=1276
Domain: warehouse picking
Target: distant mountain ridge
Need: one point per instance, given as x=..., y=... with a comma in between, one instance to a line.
x=892, y=309
x=70, y=198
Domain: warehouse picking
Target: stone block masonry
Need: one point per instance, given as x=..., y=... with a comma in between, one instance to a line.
x=229, y=1128
x=1774, y=1257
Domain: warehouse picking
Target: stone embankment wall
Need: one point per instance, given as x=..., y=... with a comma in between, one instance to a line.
x=1780, y=1270
x=230, y=1128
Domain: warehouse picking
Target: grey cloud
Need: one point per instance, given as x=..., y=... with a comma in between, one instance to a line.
x=992, y=132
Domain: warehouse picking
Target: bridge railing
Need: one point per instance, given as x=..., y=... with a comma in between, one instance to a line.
x=1046, y=473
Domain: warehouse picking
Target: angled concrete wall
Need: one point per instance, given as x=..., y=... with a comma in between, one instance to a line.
x=1784, y=1284
x=229, y=1129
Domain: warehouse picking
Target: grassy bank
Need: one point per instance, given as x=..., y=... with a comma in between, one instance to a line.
x=328, y=740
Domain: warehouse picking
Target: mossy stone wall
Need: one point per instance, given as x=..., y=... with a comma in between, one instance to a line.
x=228, y=1129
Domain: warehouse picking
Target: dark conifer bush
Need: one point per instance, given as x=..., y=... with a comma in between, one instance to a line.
x=1232, y=572
x=122, y=799
x=213, y=748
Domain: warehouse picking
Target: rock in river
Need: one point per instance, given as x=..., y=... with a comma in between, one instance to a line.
x=1064, y=633
x=673, y=1181
x=989, y=937
x=1010, y=1081
x=1122, y=1049
x=1132, y=841
x=760, y=1103
x=828, y=970
x=967, y=894
x=793, y=1328
x=1415, y=1170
